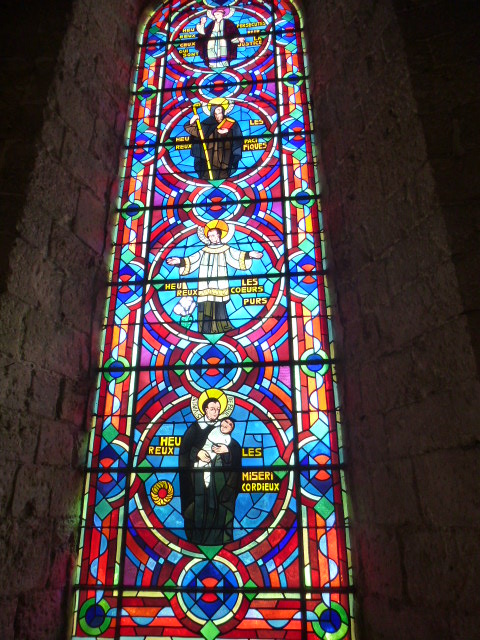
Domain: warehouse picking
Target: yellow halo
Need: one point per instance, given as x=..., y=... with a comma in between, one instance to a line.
x=213, y=394
x=216, y=224
x=218, y=102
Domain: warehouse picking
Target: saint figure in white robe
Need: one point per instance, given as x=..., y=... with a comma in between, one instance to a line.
x=213, y=286
x=217, y=42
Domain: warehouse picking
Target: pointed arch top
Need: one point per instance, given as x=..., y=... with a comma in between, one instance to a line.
x=214, y=501
x=158, y=12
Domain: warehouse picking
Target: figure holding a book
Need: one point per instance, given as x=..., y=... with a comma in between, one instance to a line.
x=216, y=142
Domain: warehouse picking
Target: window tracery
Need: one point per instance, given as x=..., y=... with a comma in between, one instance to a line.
x=214, y=493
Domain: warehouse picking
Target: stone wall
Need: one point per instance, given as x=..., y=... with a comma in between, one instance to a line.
x=30, y=42
x=66, y=76
x=395, y=104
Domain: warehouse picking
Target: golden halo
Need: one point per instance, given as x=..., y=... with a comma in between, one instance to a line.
x=218, y=102
x=161, y=493
x=216, y=224
x=213, y=394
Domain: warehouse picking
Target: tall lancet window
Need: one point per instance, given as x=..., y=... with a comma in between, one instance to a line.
x=214, y=500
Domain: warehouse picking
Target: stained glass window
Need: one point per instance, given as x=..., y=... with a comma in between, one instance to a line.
x=214, y=499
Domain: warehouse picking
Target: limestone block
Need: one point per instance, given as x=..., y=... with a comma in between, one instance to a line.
x=55, y=444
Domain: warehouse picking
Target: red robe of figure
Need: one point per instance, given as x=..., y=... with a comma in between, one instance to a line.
x=217, y=43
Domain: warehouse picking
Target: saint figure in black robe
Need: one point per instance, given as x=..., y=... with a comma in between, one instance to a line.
x=208, y=509
x=216, y=144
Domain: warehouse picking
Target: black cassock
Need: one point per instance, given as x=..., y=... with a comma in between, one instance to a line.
x=224, y=150
x=208, y=512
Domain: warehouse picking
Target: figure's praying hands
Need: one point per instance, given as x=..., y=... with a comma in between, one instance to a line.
x=173, y=262
x=256, y=255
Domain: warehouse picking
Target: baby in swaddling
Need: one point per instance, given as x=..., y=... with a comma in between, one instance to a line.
x=219, y=435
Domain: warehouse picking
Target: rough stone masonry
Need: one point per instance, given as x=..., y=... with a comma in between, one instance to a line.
x=396, y=105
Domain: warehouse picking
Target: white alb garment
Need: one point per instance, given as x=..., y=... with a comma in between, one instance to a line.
x=215, y=437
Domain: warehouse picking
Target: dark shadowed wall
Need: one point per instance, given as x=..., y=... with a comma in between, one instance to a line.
x=396, y=103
